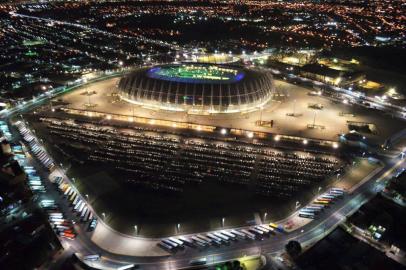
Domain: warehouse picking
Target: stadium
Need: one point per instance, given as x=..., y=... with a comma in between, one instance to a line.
x=197, y=88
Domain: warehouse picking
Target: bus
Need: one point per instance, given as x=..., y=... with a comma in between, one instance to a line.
x=336, y=193
x=249, y=234
x=170, y=243
x=80, y=209
x=95, y=257
x=316, y=206
x=78, y=205
x=57, y=214
x=308, y=211
x=327, y=196
x=67, y=191
x=223, y=237
x=177, y=241
x=229, y=234
x=185, y=240
x=72, y=197
x=307, y=215
x=86, y=217
x=326, y=200
x=165, y=246
x=201, y=261
x=92, y=225
x=75, y=201
x=277, y=227
x=199, y=241
x=321, y=202
x=216, y=240
x=238, y=234
x=71, y=192
x=84, y=211
x=204, y=238
x=265, y=228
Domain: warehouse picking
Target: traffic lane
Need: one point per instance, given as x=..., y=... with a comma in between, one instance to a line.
x=275, y=242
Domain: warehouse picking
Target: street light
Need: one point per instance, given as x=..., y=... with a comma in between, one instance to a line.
x=223, y=220
x=136, y=229
x=305, y=141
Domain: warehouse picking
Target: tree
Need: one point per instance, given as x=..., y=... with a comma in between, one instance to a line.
x=293, y=248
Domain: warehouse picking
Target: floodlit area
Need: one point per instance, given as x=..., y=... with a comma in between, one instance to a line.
x=203, y=174
x=296, y=112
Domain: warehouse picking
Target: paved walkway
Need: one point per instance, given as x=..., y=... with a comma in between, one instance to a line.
x=118, y=243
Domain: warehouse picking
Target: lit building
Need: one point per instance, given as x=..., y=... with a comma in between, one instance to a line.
x=198, y=88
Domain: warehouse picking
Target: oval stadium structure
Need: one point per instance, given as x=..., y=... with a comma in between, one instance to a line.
x=197, y=88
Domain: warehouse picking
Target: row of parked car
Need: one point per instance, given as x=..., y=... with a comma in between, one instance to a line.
x=78, y=204
x=34, y=180
x=218, y=238
x=36, y=148
x=62, y=226
x=323, y=201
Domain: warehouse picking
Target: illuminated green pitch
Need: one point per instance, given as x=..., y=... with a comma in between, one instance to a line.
x=196, y=73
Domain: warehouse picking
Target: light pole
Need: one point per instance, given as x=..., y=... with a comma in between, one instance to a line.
x=178, y=228
x=265, y=214
x=136, y=229
x=314, y=119
x=223, y=220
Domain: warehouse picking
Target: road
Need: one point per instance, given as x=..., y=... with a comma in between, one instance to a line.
x=309, y=233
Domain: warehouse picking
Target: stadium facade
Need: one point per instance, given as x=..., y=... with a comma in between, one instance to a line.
x=198, y=88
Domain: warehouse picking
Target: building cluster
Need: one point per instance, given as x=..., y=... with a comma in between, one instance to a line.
x=23, y=227
x=288, y=23
x=40, y=55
